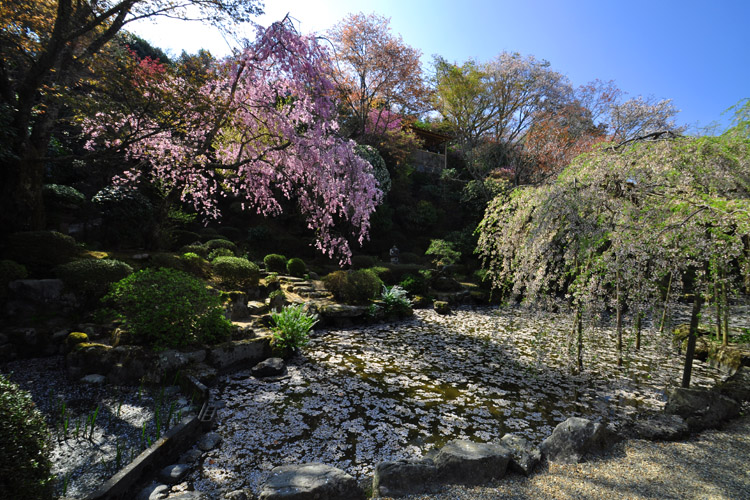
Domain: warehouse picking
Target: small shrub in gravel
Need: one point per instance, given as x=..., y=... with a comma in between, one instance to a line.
x=236, y=271
x=296, y=267
x=92, y=277
x=275, y=263
x=10, y=271
x=353, y=287
x=169, y=308
x=24, y=453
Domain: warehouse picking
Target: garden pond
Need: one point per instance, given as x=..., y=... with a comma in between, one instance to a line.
x=359, y=396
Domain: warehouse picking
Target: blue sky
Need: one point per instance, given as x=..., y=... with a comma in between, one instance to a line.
x=694, y=52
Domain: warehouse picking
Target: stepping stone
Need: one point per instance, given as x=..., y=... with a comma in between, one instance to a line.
x=154, y=491
x=94, y=379
x=173, y=474
x=209, y=441
x=191, y=456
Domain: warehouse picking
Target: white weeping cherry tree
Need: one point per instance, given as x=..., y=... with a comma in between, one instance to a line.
x=621, y=225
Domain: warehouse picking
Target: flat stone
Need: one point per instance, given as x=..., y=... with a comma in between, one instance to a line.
x=270, y=367
x=524, y=455
x=94, y=379
x=313, y=481
x=187, y=495
x=395, y=479
x=154, y=491
x=661, y=427
x=209, y=441
x=256, y=308
x=172, y=474
x=237, y=495
x=467, y=462
x=239, y=351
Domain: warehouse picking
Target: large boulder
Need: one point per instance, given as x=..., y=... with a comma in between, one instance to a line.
x=575, y=439
x=467, y=462
x=737, y=386
x=524, y=455
x=270, y=367
x=701, y=408
x=396, y=479
x=442, y=307
x=239, y=352
x=313, y=481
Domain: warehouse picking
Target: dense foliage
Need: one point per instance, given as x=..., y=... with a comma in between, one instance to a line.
x=296, y=267
x=291, y=327
x=236, y=271
x=24, y=452
x=92, y=277
x=169, y=308
x=275, y=263
x=353, y=287
x=40, y=251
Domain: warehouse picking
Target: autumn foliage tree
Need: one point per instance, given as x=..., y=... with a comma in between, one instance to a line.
x=45, y=45
x=262, y=126
x=376, y=72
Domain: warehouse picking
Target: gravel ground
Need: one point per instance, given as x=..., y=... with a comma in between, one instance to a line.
x=712, y=465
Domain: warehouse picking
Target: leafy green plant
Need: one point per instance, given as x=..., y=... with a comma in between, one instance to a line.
x=415, y=284
x=296, y=267
x=395, y=300
x=353, y=287
x=291, y=328
x=92, y=277
x=24, y=452
x=195, y=248
x=168, y=308
x=236, y=271
x=275, y=263
x=58, y=195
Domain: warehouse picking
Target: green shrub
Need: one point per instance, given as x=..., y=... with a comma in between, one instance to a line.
x=10, y=271
x=353, y=287
x=275, y=263
x=196, y=248
x=196, y=265
x=415, y=284
x=443, y=252
x=40, y=251
x=180, y=238
x=363, y=261
x=296, y=267
x=383, y=273
x=291, y=327
x=168, y=260
x=58, y=195
x=24, y=453
x=127, y=215
x=236, y=271
x=168, y=308
x=92, y=277
x=221, y=243
x=220, y=252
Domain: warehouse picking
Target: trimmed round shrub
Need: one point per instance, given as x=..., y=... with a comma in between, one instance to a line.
x=353, y=287
x=168, y=308
x=220, y=243
x=126, y=215
x=275, y=263
x=296, y=267
x=10, y=271
x=59, y=195
x=220, y=252
x=181, y=237
x=236, y=271
x=92, y=277
x=196, y=265
x=24, y=454
x=40, y=251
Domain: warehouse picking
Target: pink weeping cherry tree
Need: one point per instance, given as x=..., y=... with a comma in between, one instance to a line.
x=260, y=127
